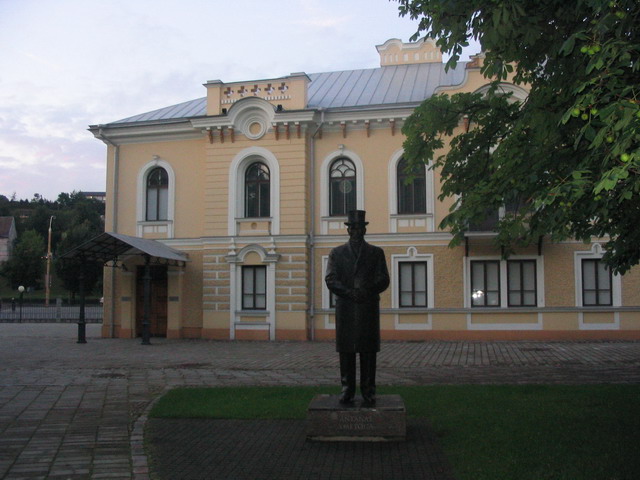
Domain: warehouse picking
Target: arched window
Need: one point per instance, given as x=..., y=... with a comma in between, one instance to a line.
x=342, y=187
x=257, y=191
x=157, y=195
x=412, y=195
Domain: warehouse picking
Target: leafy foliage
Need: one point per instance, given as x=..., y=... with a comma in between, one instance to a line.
x=26, y=265
x=569, y=155
x=70, y=270
x=76, y=219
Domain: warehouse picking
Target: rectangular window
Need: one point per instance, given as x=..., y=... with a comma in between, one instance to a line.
x=485, y=283
x=413, y=284
x=596, y=283
x=254, y=288
x=521, y=283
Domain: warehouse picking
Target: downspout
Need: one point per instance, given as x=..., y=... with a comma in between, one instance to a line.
x=114, y=222
x=312, y=247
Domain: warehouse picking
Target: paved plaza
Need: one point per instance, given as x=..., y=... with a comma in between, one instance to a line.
x=71, y=410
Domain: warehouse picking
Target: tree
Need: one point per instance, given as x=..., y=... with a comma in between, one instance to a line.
x=69, y=270
x=26, y=265
x=569, y=155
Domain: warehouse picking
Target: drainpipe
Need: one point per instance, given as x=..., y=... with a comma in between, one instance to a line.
x=114, y=222
x=312, y=248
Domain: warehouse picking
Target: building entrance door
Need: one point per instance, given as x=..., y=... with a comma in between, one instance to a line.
x=158, y=311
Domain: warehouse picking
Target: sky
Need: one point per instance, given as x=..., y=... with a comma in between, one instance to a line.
x=68, y=64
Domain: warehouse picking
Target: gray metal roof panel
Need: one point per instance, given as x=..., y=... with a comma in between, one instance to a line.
x=381, y=86
x=388, y=85
x=192, y=108
x=109, y=245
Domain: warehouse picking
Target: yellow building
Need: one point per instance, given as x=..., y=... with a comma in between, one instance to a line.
x=253, y=182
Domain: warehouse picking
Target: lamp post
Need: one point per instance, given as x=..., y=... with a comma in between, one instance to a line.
x=82, y=323
x=21, y=290
x=48, y=277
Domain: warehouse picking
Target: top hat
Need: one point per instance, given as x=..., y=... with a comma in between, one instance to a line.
x=356, y=217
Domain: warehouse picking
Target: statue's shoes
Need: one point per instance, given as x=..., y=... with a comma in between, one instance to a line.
x=368, y=400
x=346, y=398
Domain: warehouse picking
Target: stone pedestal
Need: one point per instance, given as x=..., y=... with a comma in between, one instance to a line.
x=330, y=421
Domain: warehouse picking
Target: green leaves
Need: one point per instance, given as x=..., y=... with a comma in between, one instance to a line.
x=571, y=151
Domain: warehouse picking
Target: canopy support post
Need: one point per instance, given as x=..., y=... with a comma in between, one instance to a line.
x=146, y=333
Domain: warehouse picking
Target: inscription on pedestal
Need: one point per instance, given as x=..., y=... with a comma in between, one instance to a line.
x=328, y=420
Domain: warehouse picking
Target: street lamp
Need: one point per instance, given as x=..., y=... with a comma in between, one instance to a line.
x=21, y=290
x=48, y=277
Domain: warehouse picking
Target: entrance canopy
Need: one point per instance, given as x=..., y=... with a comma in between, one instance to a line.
x=109, y=246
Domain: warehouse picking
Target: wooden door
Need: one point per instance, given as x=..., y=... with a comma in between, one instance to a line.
x=158, y=313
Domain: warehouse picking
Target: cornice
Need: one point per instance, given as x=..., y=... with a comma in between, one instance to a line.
x=126, y=134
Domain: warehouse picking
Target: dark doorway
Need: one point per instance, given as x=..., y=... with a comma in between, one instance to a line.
x=158, y=313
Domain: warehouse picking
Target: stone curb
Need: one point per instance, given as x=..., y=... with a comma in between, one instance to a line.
x=139, y=460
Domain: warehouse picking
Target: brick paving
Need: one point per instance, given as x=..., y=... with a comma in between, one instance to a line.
x=72, y=411
x=276, y=449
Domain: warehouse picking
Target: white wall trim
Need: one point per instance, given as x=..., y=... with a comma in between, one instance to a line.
x=324, y=183
x=538, y=325
x=392, y=177
x=412, y=255
x=235, y=295
x=596, y=252
x=504, y=290
x=236, y=186
x=141, y=194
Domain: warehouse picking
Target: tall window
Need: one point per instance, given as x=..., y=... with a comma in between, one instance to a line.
x=157, y=195
x=485, y=283
x=257, y=191
x=254, y=287
x=412, y=197
x=342, y=187
x=413, y=284
x=521, y=283
x=596, y=283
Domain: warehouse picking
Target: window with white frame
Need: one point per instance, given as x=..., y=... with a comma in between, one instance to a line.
x=257, y=196
x=496, y=283
x=342, y=187
x=155, y=198
x=521, y=281
x=412, y=284
x=411, y=189
x=259, y=167
x=485, y=283
x=254, y=287
x=411, y=195
x=157, y=205
x=596, y=283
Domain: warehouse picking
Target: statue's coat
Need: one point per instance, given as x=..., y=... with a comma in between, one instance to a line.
x=357, y=323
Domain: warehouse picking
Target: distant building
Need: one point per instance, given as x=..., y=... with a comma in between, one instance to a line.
x=101, y=196
x=8, y=234
x=254, y=181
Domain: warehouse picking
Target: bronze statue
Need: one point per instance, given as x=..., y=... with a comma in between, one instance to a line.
x=357, y=274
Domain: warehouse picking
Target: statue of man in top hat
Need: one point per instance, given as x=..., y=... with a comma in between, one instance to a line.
x=357, y=274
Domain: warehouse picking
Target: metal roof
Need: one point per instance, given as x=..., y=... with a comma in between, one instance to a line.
x=192, y=108
x=381, y=86
x=388, y=85
x=110, y=246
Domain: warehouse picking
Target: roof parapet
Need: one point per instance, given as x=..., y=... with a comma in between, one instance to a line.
x=395, y=52
x=290, y=92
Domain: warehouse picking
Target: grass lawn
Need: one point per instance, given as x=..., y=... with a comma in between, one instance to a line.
x=488, y=432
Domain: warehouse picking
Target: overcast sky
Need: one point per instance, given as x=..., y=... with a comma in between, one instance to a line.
x=68, y=64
